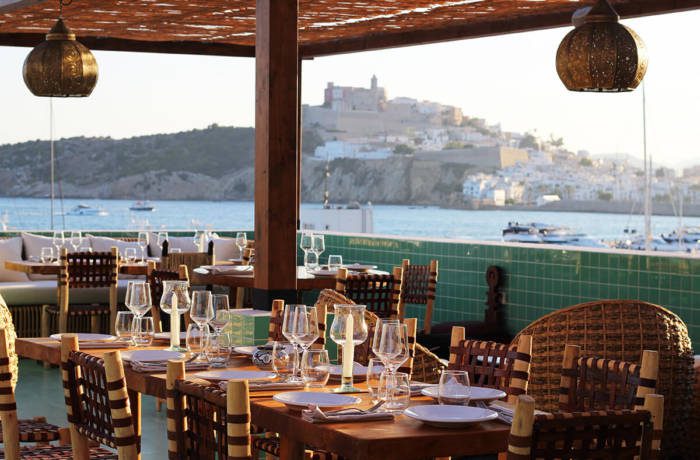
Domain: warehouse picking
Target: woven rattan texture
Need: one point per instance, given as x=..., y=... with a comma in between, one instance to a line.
x=427, y=366
x=234, y=21
x=90, y=270
x=602, y=384
x=620, y=330
x=155, y=281
x=489, y=364
x=89, y=397
x=79, y=317
x=35, y=430
x=61, y=452
x=601, y=435
x=7, y=324
x=416, y=287
x=377, y=292
x=204, y=412
x=192, y=260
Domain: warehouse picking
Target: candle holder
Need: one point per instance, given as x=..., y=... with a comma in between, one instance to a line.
x=175, y=301
x=349, y=328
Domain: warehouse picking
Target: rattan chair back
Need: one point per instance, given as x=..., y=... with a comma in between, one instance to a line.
x=492, y=364
x=155, y=280
x=277, y=320
x=619, y=330
x=380, y=293
x=205, y=422
x=419, y=286
x=97, y=402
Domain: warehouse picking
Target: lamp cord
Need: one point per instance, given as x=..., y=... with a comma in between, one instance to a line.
x=61, y=4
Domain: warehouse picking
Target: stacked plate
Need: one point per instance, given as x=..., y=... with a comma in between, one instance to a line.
x=444, y=416
x=477, y=393
x=299, y=400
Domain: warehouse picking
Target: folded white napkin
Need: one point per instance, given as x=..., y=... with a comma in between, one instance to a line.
x=163, y=367
x=506, y=411
x=231, y=269
x=315, y=415
x=268, y=386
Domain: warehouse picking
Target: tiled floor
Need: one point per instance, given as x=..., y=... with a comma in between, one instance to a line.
x=39, y=392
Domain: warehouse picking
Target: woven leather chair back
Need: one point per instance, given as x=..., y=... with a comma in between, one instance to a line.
x=380, y=293
x=277, y=319
x=619, y=330
x=206, y=422
x=88, y=269
x=419, y=286
x=191, y=260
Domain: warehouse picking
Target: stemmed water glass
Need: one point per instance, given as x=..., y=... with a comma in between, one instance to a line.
x=241, y=242
x=201, y=312
x=220, y=308
x=393, y=344
x=142, y=242
x=76, y=238
x=298, y=327
x=318, y=246
x=382, y=346
x=58, y=241
x=306, y=244
x=140, y=303
x=175, y=301
x=160, y=239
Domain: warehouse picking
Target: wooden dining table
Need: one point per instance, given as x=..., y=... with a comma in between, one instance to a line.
x=402, y=438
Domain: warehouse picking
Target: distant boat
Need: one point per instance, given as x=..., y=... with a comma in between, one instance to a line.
x=86, y=210
x=536, y=232
x=142, y=206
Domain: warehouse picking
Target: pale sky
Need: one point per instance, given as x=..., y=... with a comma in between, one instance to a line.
x=509, y=79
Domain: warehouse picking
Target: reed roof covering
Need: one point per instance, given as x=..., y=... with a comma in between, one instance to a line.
x=227, y=27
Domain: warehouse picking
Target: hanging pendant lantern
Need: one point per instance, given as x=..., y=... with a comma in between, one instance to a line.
x=600, y=54
x=60, y=66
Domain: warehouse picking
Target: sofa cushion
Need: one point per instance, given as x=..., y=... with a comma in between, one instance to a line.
x=225, y=249
x=105, y=244
x=11, y=249
x=32, y=251
x=183, y=243
x=44, y=292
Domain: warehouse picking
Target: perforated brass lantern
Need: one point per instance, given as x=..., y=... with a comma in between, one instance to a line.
x=600, y=54
x=60, y=66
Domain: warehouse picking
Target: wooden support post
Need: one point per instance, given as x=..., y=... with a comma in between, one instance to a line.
x=175, y=371
x=648, y=375
x=120, y=406
x=113, y=293
x=568, y=382
x=522, y=425
x=521, y=368
x=63, y=292
x=458, y=334
x=238, y=421
x=655, y=405
x=276, y=112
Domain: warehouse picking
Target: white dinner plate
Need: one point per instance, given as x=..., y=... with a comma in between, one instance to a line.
x=246, y=350
x=148, y=356
x=361, y=267
x=166, y=335
x=298, y=400
x=86, y=337
x=445, y=416
x=217, y=376
x=477, y=393
x=323, y=272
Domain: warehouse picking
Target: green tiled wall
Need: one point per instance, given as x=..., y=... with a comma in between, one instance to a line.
x=539, y=280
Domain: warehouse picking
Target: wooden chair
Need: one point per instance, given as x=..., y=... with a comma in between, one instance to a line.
x=247, y=259
x=86, y=270
x=277, y=318
x=171, y=261
x=419, y=286
x=492, y=364
x=205, y=422
x=620, y=330
x=155, y=280
x=14, y=431
x=611, y=434
x=97, y=402
x=589, y=383
x=380, y=293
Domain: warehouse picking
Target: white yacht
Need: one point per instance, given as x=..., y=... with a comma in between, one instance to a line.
x=87, y=210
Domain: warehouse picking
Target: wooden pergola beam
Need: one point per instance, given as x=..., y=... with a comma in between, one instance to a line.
x=7, y=6
x=470, y=29
x=139, y=46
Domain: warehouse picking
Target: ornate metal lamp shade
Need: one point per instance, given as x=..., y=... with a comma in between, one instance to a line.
x=600, y=54
x=60, y=66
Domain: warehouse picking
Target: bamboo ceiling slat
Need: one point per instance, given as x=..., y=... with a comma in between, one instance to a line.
x=325, y=26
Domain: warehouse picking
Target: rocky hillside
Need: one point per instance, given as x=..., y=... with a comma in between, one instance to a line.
x=214, y=163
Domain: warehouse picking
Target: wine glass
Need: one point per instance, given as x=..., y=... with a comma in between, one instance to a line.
x=335, y=262
x=315, y=368
x=175, y=301
x=395, y=390
x=220, y=307
x=454, y=388
x=375, y=368
x=160, y=239
x=146, y=329
x=283, y=359
x=124, y=326
x=76, y=238
x=348, y=329
x=142, y=242
x=382, y=348
x=195, y=339
x=130, y=255
x=396, y=335
x=241, y=242
x=140, y=303
x=58, y=241
x=319, y=245
x=46, y=255
x=201, y=311
x=288, y=330
x=216, y=350
x=305, y=330
x=306, y=244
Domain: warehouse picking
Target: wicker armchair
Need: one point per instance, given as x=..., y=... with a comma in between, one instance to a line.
x=619, y=330
x=419, y=286
x=205, y=422
x=84, y=270
x=380, y=293
x=491, y=364
x=613, y=434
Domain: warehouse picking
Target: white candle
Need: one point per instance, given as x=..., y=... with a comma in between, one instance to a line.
x=174, y=324
x=348, y=348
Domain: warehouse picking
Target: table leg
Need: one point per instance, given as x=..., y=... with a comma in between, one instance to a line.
x=135, y=403
x=290, y=449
